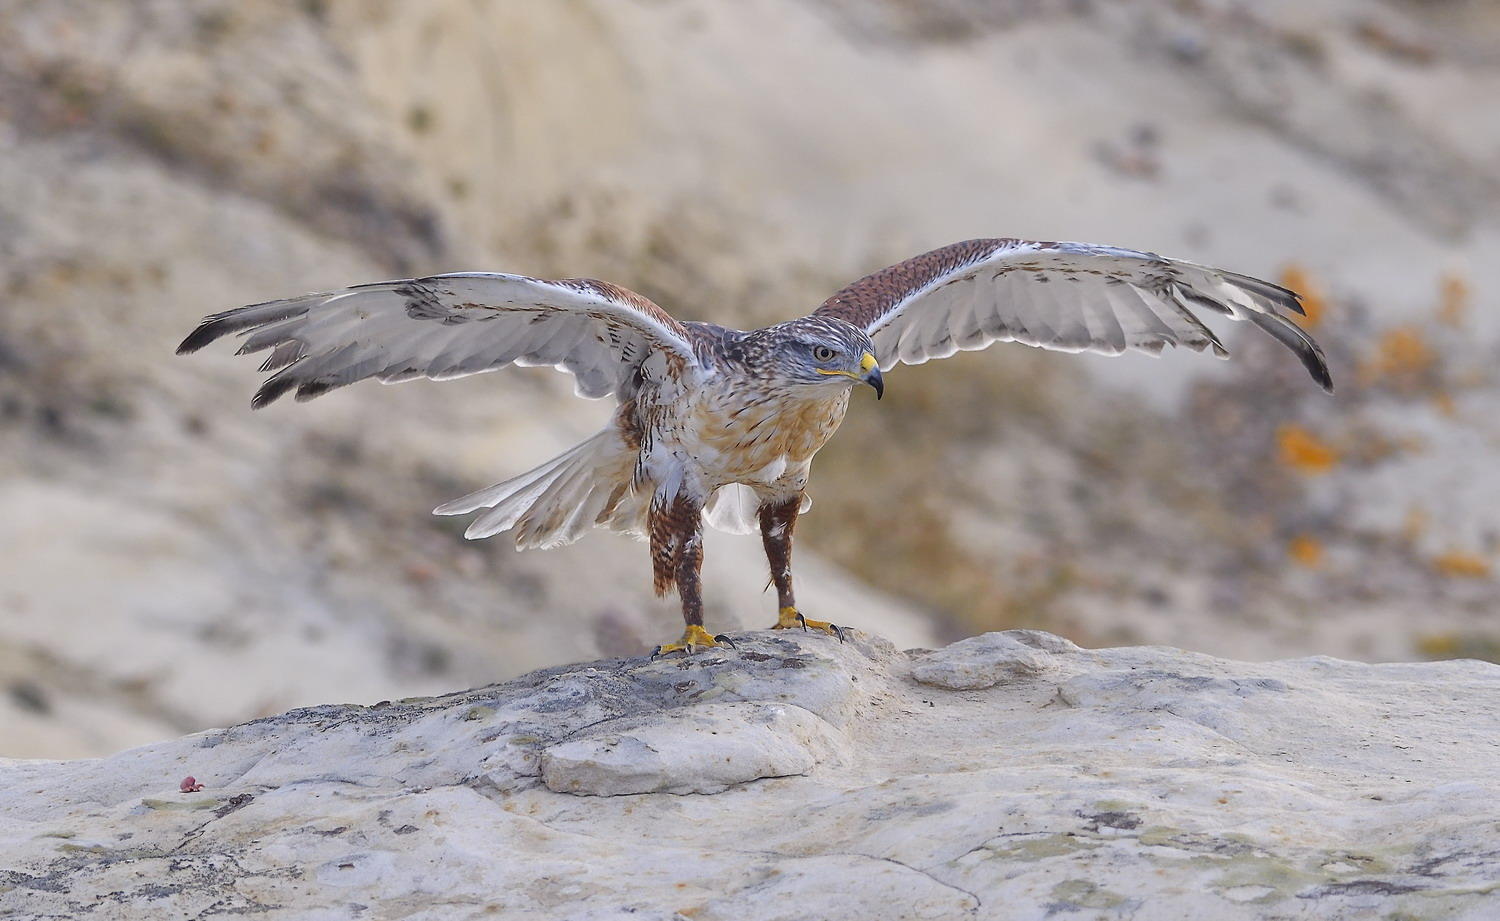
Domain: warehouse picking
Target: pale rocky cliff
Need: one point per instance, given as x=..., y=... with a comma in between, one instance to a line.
x=1008, y=776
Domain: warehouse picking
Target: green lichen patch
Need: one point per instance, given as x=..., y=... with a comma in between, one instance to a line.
x=1082, y=893
x=180, y=805
x=1040, y=847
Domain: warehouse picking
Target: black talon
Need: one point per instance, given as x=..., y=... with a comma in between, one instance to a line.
x=656, y=652
x=838, y=632
x=803, y=619
x=724, y=638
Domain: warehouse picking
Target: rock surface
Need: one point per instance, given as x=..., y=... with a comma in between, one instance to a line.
x=982, y=661
x=1116, y=783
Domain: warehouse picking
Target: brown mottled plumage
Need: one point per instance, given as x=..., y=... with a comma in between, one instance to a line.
x=722, y=424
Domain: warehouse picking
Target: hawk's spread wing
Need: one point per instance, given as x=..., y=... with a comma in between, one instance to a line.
x=1073, y=297
x=447, y=326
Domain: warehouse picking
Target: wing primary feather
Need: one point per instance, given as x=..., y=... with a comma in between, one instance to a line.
x=218, y=325
x=1276, y=294
x=1192, y=320
x=343, y=377
x=272, y=334
x=284, y=354
x=1292, y=336
x=275, y=387
x=1199, y=299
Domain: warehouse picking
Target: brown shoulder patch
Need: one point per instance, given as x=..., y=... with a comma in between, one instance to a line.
x=627, y=297
x=872, y=297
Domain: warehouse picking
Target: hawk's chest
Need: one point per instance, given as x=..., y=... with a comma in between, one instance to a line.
x=749, y=436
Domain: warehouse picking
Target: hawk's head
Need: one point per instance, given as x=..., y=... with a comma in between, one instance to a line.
x=816, y=352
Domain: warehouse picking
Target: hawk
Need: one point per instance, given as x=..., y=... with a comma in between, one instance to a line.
x=720, y=425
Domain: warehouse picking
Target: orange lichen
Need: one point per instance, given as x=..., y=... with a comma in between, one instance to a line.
x=1454, y=298
x=1438, y=645
x=1314, y=303
x=1462, y=565
x=1303, y=451
x=1448, y=645
x=1402, y=359
x=1444, y=404
x=1404, y=351
x=1415, y=524
x=1306, y=550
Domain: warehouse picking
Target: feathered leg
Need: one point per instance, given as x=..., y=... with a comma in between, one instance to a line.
x=676, y=530
x=777, y=521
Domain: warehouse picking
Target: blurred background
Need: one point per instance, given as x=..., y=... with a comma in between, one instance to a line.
x=171, y=561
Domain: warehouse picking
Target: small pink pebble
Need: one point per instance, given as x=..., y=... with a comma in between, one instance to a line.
x=190, y=784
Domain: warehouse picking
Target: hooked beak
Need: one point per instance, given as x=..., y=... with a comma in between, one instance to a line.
x=870, y=374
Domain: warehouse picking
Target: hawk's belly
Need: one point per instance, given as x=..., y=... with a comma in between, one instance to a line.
x=757, y=439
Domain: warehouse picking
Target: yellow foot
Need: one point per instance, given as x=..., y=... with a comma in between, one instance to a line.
x=693, y=639
x=792, y=619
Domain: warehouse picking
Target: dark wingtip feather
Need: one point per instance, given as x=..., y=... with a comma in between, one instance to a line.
x=309, y=390
x=1293, y=337
x=1319, y=371
x=272, y=390
x=210, y=329
x=1313, y=360
x=219, y=325
x=1316, y=365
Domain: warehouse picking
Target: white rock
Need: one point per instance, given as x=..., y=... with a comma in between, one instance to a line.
x=702, y=749
x=1134, y=782
x=981, y=661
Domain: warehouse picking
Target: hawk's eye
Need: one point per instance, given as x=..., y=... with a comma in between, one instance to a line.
x=823, y=353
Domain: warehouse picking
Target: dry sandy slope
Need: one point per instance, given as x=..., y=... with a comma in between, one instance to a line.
x=171, y=561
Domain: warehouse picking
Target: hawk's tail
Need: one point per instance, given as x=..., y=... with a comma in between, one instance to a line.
x=558, y=502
